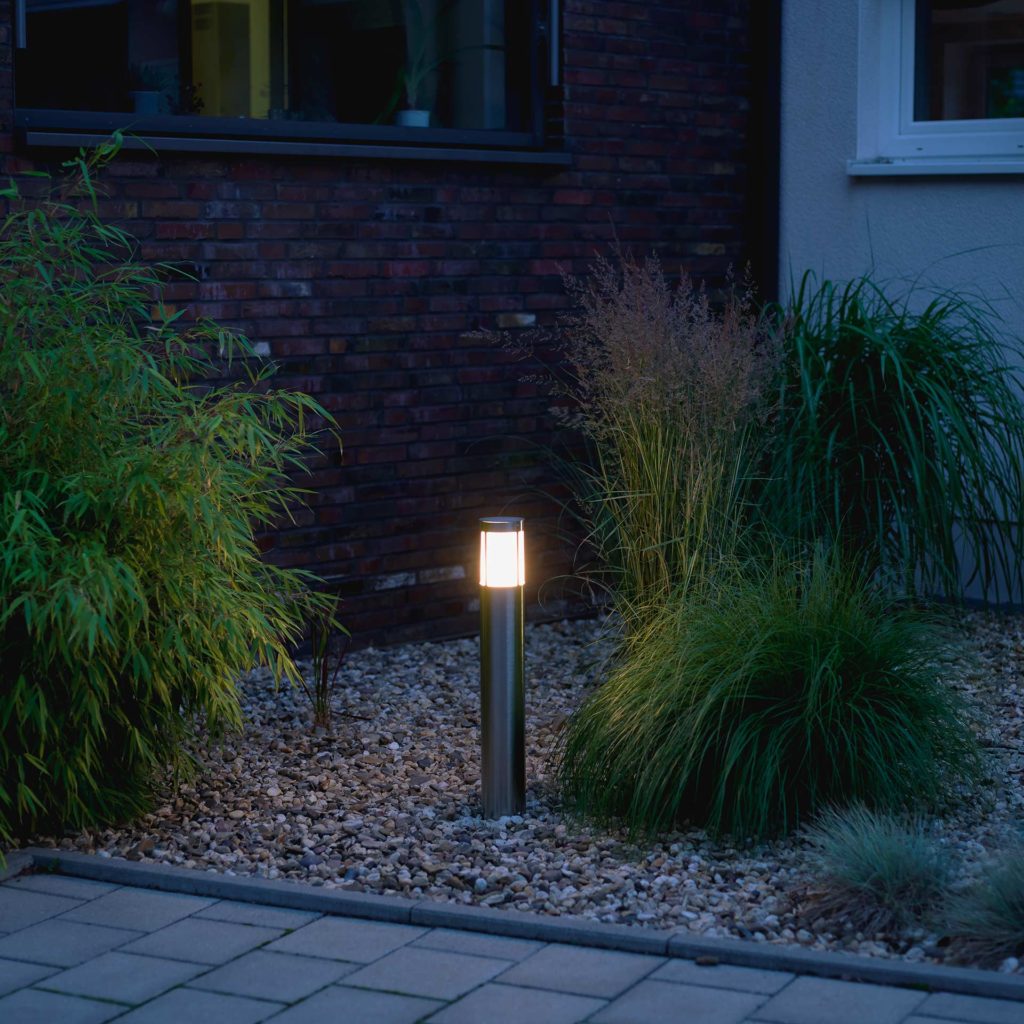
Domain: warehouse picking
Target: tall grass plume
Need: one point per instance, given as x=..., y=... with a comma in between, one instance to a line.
x=665, y=389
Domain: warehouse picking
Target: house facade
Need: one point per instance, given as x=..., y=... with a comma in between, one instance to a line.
x=902, y=144
x=902, y=151
x=362, y=185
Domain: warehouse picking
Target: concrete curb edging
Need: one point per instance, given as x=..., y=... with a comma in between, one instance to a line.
x=517, y=924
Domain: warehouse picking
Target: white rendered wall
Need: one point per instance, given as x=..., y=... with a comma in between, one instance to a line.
x=962, y=232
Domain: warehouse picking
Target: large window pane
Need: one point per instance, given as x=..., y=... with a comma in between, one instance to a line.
x=443, y=63
x=969, y=60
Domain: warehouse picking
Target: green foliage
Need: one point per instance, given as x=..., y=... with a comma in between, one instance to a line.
x=986, y=922
x=665, y=391
x=327, y=652
x=776, y=688
x=132, y=592
x=880, y=871
x=900, y=432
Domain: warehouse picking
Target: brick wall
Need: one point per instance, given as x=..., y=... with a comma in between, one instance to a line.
x=366, y=278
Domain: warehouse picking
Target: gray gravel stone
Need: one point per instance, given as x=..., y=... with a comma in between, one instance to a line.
x=389, y=802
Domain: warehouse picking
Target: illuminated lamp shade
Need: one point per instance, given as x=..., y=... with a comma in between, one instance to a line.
x=502, y=552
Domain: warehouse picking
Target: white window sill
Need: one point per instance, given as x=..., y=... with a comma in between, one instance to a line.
x=902, y=167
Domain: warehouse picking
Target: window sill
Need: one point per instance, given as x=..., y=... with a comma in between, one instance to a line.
x=933, y=166
x=74, y=129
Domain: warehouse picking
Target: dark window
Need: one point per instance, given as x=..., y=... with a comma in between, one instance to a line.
x=969, y=60
x=466, y=65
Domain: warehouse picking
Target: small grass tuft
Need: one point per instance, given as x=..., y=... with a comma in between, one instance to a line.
x=882, y=872
x=986, y=922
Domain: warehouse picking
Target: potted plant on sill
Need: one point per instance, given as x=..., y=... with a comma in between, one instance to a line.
x=146, y=87
x=409, y=105
x=421, y=61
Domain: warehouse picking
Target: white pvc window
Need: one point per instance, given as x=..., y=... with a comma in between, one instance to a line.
x=942, y=80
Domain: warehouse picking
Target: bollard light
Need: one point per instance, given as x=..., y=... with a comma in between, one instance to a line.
x=502, y=708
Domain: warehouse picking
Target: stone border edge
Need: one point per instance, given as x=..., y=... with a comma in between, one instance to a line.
x=517, y=924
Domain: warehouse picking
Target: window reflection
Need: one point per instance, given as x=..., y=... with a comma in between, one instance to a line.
x=443, y=63
x=969, y=59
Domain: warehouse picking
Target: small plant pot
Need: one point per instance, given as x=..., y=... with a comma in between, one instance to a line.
x=413, y=118
x=146, y=101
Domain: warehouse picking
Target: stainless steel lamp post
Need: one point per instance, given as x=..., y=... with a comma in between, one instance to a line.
x=502, y=721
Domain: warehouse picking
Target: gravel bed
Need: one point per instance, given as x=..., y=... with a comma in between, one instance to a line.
x=389, y=803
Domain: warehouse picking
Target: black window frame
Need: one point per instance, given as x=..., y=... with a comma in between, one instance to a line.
x=208, y=134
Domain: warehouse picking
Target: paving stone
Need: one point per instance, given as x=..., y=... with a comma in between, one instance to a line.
x=738, y=979
x=656, y=1002
x=541, y=927
x=479, y=944
x=30, y=1006
x=202, y=942
x=63, y=943
x=21, y=908
x=62, y=885
x=140, y=909
x=510, y=1004
x=976, y=1009
x=587, y=972
x=340, y=1005
x=14, y=974
x=123, y=977
x=190, y=1006
x=433, y=973
x=347, y=939
x=255, y=913
x=279, y=976
x=813, y=1000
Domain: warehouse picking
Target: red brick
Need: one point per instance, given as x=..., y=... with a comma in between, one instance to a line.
x=368, y=279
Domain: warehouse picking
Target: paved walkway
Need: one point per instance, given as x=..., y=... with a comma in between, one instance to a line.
x=78, y=951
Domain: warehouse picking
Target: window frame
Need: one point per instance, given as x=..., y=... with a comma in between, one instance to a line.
x=196, y=133
x=889, y=139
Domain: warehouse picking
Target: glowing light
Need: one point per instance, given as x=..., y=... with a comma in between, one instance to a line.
x=502, y=552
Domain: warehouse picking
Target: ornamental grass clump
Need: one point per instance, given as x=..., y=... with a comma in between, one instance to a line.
x=132, y=591
x=665, y=390
x=880, y=871
x=900, y=434
x=986, y=922
x=780, y=687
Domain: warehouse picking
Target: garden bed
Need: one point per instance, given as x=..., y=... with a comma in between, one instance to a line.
x=389, y=802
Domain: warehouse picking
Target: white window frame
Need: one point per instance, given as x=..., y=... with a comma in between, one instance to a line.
x=889, y=140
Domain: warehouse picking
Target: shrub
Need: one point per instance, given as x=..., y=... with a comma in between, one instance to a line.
x=900, y=433
x=880, y=871
x=781, y=687
x=664, y=390
x=986, y=922
x=131, y=481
